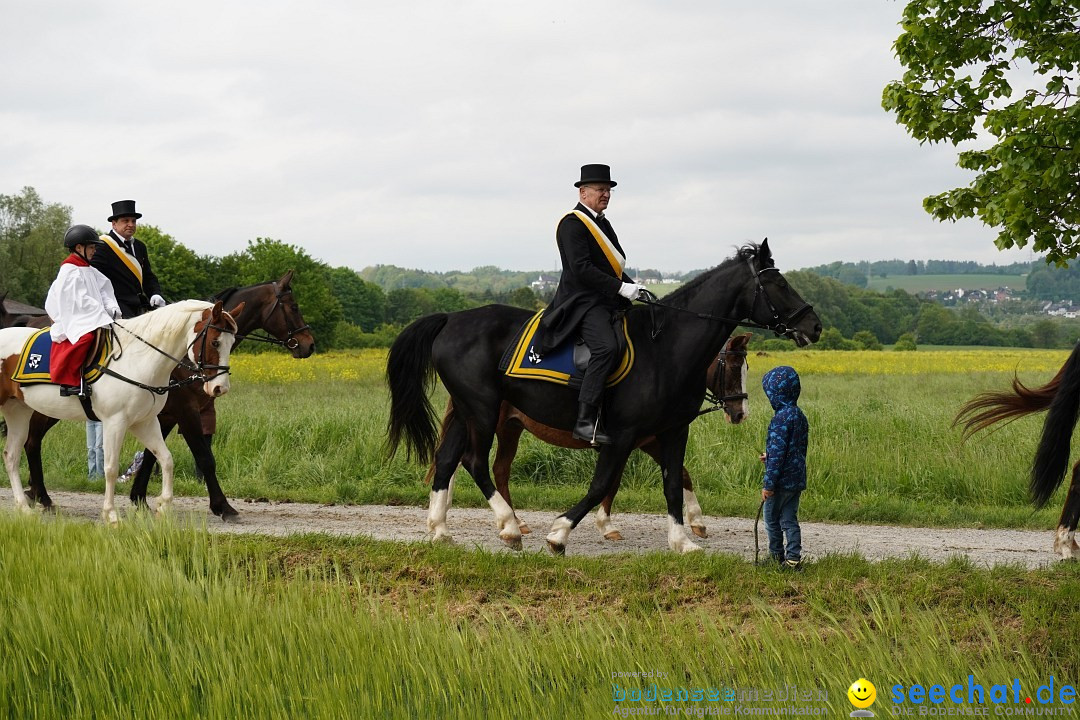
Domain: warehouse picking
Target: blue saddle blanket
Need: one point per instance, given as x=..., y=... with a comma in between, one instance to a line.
x=521, y=360
x=33, y=365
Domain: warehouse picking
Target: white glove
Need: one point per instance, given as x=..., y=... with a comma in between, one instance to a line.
x=157, y=301
x=116, y=314
x=630, y=290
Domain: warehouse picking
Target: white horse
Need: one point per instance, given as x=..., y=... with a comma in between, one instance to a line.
x=131, y=393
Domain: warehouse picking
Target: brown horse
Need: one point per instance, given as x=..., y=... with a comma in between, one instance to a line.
x=1061, y=397
x=726, y=382
x=271, y=308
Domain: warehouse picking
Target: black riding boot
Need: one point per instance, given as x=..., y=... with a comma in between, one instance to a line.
x=587, y=427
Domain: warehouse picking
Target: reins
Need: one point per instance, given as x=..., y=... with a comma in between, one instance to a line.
x=782, y=328
x=196, y=369
x=719, y=402
x=290, y=342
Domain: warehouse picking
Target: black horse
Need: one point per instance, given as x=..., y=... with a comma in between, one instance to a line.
x=270, y=307
x=674, y=344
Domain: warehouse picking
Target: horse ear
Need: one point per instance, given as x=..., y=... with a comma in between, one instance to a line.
x=739, y=342
x=235, y=312
x=765, y=253
x=285, y=279
x=215, y=312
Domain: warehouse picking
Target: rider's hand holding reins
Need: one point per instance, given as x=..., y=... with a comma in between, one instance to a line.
x=630, y=290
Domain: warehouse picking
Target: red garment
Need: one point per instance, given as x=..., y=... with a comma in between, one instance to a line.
x=66, y=360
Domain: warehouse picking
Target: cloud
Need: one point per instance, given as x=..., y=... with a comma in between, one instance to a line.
x=447, y=136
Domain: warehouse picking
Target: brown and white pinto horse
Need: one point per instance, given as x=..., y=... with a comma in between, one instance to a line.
x=271, y=307
x=1061, y=398
x=726, y=383
x=131, y=393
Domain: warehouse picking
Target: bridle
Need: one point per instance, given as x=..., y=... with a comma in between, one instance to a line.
x=290, y=342
x=719, y=375
x=782, y=327
x=716, y=380
x=197, y=369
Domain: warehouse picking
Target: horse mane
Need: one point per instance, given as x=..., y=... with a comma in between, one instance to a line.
x=166, y=321
x=227, y=293
x=686, y=293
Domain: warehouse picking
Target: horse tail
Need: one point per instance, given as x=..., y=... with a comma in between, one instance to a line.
x=1052, y=457
x=410, y=375
x=442, y=436
x=989, y=408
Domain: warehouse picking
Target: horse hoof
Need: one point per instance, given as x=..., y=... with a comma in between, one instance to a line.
x=227, y=513
x=699, y=530
x=690, y=547
x=514, y=543
x=613, y=535
x=556, y=548
x=443, y=538
x=525, y=529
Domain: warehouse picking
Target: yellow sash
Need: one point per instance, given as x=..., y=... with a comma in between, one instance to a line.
x=132, y=265
x=610, y=251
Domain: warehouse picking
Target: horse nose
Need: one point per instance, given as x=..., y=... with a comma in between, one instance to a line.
x=737, y=417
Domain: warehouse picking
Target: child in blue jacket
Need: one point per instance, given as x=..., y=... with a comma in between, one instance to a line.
x=785, y=465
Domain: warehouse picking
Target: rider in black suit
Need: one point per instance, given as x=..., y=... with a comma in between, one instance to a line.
x=592, y=289
x=124, y=259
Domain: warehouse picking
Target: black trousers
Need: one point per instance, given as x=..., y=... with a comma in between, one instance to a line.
x=598, y=332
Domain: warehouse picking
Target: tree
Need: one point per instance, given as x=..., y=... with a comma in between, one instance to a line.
x=31, y=244
x=1027, y=181
x=181, y=272
x=363, y=303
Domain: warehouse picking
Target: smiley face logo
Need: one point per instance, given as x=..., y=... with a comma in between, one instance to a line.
x=862, y=693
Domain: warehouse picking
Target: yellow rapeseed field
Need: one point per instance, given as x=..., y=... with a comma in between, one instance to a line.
x=369, y=365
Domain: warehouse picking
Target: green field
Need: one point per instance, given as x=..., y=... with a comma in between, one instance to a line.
x=155, y=620
x=922, y=283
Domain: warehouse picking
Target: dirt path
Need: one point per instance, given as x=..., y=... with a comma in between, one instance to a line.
x=475, y=527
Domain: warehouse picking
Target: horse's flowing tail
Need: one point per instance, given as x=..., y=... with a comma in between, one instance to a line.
x=1052, y=457
x=1061, y=396
x=411, y=376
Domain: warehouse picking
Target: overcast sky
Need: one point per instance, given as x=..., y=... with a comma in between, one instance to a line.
x=447, y=135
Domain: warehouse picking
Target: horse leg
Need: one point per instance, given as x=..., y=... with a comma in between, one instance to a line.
x=17, y=416
x=198, y=442
x=1065, y=538
x=141, y=482
x=609, y=465
x=476, y=462
x=39, y=425
x=694, y=517
x=603, y=513
x=112, y=440
x=509, y=434
x=447, y=457
x=673, y=453
x=148, y=432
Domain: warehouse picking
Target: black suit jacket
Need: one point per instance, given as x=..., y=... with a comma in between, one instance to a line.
x=133, y=298
x=587, y=281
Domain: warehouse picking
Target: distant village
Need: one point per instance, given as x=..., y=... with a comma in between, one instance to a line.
x=959, y=296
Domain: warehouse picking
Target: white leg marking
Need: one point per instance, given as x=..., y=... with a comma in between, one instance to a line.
x=694, y=517
x=1065, y=543
x=505, y=521
x=677, y=539
x=560, y=531
x=437, y=505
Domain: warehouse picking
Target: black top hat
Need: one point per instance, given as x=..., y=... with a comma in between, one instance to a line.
x=595, y=174
x=124, y=208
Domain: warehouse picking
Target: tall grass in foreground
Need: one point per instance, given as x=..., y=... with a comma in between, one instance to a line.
x=151, y=621
x=882, y=448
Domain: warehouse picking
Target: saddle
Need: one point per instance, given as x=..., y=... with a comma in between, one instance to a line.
x=565, y=364
x=33, y=365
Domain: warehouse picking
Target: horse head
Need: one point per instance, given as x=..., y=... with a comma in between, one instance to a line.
x=286, y=323
x=776, y=305
x=215, y=334
x=726, y=379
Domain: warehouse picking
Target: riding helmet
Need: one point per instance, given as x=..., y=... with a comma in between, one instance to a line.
x=81, y=235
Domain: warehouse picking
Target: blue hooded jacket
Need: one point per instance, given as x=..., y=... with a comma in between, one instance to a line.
x=785, y=446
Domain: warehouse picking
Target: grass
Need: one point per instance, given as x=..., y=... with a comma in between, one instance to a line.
x=154, y=620
x=922, y=283
x=882, y=446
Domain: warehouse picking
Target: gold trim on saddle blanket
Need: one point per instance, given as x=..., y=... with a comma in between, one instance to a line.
x=133, y=266
x=93, y=372
x=610, y=251
x=515, y=368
